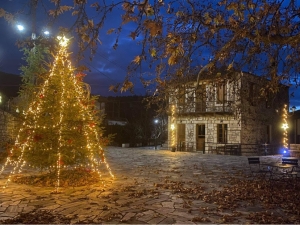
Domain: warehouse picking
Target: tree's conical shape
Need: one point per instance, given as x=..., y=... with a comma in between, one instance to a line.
x=61, y=126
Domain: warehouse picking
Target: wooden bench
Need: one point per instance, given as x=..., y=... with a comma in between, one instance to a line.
x=229, y=149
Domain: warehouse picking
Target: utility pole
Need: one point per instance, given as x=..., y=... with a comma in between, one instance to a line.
x=33, y=7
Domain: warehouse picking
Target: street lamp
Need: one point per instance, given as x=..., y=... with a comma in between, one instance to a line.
x=155, y=133
x=46, y=32
x=20, y=27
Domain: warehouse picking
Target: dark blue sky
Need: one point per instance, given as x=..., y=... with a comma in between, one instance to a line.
x=108, y=67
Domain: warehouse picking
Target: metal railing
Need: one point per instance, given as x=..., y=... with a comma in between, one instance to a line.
x=186, y=146
x=229, y=148
x=205, y=107
x=241, y=149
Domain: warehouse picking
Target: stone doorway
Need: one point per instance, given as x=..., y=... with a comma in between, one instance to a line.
x=201, y=137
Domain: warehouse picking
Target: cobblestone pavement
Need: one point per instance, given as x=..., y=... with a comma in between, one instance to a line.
x=150, y=186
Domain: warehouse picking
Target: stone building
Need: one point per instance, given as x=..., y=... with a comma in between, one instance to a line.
x=227, y=116
x=294, y=133
x=9, y=125
x=9, y=119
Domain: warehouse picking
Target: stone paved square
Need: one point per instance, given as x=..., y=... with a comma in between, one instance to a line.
x=162, y=187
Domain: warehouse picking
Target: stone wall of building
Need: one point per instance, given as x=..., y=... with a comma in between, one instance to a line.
x=9, y=125
x=295, y=150
x=210, y=122
x=261, y=117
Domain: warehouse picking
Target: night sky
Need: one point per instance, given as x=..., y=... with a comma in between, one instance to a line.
x=108, y=67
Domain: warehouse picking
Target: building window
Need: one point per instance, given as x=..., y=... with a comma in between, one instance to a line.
x=252, y=93
x=201, y=130
x=222, y=133
x=201, y=98
x=181, y=96
x=221, y=93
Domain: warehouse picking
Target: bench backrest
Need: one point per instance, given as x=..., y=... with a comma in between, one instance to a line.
x=289, y=161
x=253, y=160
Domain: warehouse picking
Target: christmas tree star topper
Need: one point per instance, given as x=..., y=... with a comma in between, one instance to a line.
x=63, y=41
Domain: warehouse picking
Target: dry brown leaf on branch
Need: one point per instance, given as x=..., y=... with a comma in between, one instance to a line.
x=133, y=35
x=137, y=60
x=154, y=27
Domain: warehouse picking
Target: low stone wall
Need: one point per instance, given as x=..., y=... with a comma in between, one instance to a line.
x=9, y=125
x=295, y=150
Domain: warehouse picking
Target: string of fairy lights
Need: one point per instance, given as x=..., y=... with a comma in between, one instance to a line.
x=35, y=110
x=285, y=127
x=173, y=136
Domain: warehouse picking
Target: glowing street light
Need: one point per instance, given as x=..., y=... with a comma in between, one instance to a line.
x=20, y=27
x=46, y=32
x=155, y=133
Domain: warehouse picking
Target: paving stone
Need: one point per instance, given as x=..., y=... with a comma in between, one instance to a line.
x=152, y=202
x=184, y=222
x=67, y=211
x=2, y=218
x=9, y=214
x=148, y=212
x=28, y=209
x=71, y=205
x=51, y=207
x=167, y=220
x=156, y=220
x=6, y=203
x=178, y=205
x=14, y=208
x=168, y=204
x=165, y=211
x=128, y=216
x=151, y=207
x=145, y=218
x=182, y=214
x=94, y=194
x=177, y=199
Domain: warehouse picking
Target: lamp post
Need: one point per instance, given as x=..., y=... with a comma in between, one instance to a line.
x=155, y=133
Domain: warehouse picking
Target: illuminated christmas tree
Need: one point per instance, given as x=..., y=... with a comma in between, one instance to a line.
x=61, y=127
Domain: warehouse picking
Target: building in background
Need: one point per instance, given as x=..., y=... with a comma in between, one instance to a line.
x=9, y=120
x=227, y=116
x=9, y=89
x=132, y=122
x=294, y=133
